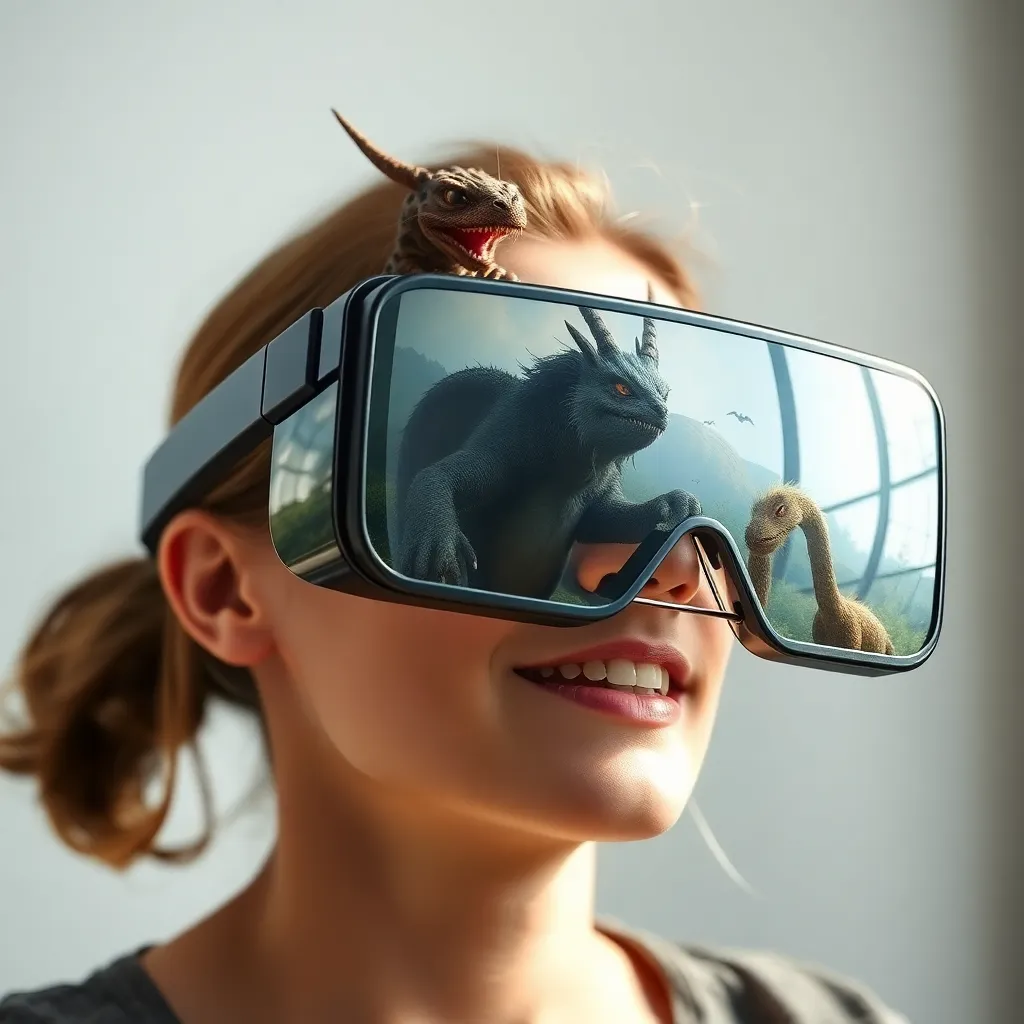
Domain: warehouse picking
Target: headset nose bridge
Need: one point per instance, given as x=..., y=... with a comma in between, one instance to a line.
x=673, y=570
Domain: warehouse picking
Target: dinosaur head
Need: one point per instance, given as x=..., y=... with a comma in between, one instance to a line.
x=618, y=405
x=465, y=212
x=773, y=517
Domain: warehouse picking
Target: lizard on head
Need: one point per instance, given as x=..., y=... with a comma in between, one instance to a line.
x=453, y=218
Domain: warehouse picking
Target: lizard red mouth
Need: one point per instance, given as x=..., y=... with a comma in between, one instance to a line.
x=479, y=243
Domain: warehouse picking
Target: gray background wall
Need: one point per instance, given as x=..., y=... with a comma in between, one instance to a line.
x=854, y=171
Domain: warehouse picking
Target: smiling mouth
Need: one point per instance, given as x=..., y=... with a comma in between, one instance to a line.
x=477, y=243
x=637, y=667
x=644, y=679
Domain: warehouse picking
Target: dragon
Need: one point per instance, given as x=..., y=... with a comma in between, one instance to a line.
x=500, y=475
x=452, y=219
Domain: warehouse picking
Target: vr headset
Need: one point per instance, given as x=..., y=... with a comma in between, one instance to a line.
x=456, y=443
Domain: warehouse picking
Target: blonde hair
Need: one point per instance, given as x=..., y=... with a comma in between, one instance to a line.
x=114, y=688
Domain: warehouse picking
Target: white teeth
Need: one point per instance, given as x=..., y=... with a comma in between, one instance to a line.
x=623, y=673
x=649, y=676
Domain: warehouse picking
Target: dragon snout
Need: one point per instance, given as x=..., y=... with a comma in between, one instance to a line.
x=513, y=210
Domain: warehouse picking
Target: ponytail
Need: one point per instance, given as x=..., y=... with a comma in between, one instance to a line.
x=114, y=689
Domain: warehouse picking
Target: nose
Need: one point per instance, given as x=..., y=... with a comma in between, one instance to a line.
x=678, y=578
x=502, y=205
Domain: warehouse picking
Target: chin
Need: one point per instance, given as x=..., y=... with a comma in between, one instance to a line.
x=639, y=795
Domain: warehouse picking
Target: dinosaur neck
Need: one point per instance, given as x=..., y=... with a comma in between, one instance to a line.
x=760, y=569
x=412, y=247
x=823, y=574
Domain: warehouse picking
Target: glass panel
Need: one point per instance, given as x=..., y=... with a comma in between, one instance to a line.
x=910, y=424
x=517, y=436
x=301, y=480
x=832, y=391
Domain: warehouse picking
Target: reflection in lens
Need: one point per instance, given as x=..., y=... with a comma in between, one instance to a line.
x=839, y=621
x=500, y=475
x=510, y=431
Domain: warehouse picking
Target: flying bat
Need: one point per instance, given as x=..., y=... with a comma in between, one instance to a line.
x=740, y=417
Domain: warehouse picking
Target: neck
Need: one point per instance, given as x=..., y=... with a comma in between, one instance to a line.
x=374, y=907
x=760, y=569
x=552, y=406
x=823, y=574
x=415, y=246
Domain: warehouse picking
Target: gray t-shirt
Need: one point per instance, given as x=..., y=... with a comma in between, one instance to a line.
x=708, y=987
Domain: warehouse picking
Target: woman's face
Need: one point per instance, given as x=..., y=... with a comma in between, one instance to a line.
x=431, y=703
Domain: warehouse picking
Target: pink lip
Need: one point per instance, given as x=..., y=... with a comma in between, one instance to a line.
x=638, y=651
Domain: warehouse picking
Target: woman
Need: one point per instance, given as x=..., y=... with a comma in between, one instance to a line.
x=435, y=857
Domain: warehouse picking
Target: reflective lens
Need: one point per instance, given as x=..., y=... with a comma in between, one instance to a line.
x=507, y=432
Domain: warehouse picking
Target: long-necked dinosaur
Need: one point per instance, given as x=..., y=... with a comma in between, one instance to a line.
x=453, y=218
x=840, y=621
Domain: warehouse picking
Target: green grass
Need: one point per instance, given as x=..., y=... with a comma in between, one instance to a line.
x=792, y=614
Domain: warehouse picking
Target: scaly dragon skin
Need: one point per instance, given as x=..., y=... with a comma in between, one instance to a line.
x=499, y=476
x=453, y=218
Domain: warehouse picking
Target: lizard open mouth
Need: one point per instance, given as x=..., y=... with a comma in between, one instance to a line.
x=478, y=242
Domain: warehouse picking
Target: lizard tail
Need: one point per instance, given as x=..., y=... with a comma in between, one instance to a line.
x=404, y=174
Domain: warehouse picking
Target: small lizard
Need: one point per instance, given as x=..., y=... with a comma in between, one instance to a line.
x=453, y=218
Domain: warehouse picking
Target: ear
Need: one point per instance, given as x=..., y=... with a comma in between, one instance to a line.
x=206, y=570
x=584, y=346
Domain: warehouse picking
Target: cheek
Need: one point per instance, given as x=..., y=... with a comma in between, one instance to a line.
x=716, y=644
x=397, y=689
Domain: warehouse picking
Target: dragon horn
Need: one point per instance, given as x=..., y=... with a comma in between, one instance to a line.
x=581, y=343
x=648, y=348
x=404, y=174
x=605, y=342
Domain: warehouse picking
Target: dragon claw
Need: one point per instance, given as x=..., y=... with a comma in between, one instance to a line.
x=675, y=507
x=440, y=555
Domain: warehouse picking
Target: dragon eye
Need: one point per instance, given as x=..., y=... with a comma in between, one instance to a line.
x=455, y=197
x=781, y=510
x=622, y=389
